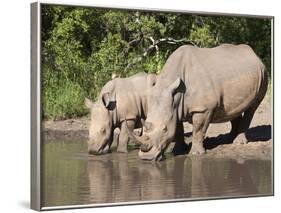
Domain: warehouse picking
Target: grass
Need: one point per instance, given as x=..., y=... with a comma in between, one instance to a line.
x=63, y=101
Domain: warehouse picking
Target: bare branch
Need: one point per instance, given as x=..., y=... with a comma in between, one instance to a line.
x=152, y=40
x=155, y=45
x=151, y=47
x=176, y=41
x=137, y=40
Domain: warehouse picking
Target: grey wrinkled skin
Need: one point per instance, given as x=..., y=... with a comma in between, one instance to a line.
x=120, y=99
x=203, y=86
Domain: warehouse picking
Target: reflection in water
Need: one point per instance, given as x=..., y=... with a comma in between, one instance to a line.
x=72, y=177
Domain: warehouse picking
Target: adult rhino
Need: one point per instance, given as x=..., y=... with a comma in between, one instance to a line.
x=120, y=99
x=202, y=86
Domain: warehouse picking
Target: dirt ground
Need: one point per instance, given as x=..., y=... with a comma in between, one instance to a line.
x=217, y=143
x=66, y=129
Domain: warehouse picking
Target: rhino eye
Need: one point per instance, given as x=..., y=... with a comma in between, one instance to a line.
x=164, y=128
x=102, y=129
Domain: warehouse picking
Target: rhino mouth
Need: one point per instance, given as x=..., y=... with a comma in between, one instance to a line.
x=153, y=154
x=99, y=151
x=145, y=147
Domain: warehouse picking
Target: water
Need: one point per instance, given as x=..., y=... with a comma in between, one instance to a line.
x=71, y=176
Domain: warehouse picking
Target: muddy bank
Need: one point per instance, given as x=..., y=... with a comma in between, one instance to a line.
x=217, y=142
x=66, y=129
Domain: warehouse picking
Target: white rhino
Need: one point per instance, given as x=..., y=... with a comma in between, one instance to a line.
x=120, y=99
x=202, y=86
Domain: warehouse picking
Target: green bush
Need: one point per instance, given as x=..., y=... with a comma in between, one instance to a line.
x=63, y=101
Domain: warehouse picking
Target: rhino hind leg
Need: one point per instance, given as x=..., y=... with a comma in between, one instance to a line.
x=243, y=125
x=235, y=127
x=123, y=136
x=249, y=114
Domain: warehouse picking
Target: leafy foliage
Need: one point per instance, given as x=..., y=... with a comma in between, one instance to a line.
x=83, y=47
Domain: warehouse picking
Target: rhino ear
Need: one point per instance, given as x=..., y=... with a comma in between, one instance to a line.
x=174, y=86
x=108, y=101
x=88, y=103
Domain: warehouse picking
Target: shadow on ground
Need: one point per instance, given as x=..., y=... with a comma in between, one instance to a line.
x=254, y=134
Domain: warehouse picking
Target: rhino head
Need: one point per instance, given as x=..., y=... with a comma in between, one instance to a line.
x=101, y=125
x=162, y=117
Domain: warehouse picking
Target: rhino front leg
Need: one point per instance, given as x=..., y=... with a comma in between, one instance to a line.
x=200, y=123
x=116, y=134
x=123, y=137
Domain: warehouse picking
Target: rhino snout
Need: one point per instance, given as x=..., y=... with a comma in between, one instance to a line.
x=96, y=149
x=152, y=155
x=145, y=147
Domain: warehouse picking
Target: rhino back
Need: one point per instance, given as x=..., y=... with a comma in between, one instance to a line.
x=228, y=78
x=131, y=96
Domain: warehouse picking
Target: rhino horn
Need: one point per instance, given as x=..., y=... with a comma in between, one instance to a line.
x=138, y=139
x=146, y=125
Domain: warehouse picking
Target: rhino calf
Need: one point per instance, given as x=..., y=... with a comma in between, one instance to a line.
x=203, y=86
x=120, y=99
